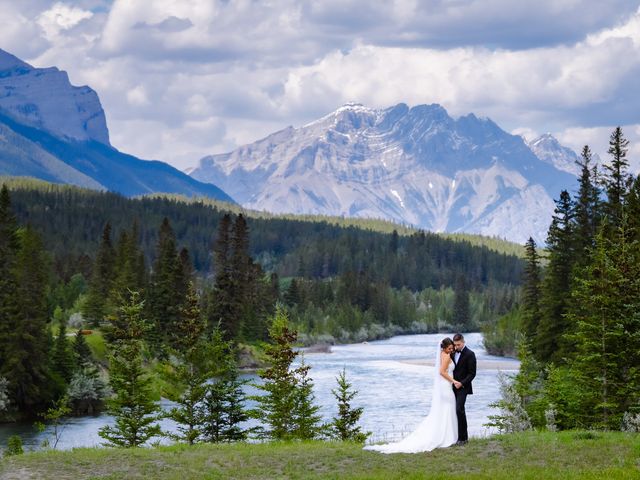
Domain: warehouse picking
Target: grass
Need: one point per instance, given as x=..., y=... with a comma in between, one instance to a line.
x=564, y=455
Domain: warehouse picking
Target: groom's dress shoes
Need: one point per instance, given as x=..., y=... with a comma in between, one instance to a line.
x=461, y=443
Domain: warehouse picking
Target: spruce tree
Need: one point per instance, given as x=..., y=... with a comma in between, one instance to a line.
x=461, y=307
x=606, y=338
x=9, y=246
x=224, y=404
x=81, y=350
x=96, y=306
x=287, y=391
x=191, y=358
x=134, y=410
x=63, y=361
x=345, y=427
x=166, y=290
x=28, y=360
x=548, y=345
x=587, y=209
x=531, y=291
x=306, y=416
x=616, y=178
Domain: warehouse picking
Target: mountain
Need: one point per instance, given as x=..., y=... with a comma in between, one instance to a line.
x=411, y=165
x=548, y=149
x=54, y=131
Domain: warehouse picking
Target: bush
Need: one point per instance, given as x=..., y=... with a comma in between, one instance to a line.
x=14, y=446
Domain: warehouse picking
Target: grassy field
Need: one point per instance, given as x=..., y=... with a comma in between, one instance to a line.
x=566, y=455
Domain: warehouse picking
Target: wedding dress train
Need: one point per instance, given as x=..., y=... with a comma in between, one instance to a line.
x=439, y=429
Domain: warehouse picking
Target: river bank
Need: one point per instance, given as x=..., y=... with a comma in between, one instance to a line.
x=530, y=455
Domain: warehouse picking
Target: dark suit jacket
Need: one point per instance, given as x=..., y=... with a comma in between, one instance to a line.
x=465, y=370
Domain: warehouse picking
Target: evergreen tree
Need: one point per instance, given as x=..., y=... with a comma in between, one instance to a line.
x=587, y=207
x=220, y=312
x=345, y=427
x=224, y=403
x=192, y=370
x=134, y=410
x=9, y=246
x=63, y=361
x=96, y=307
x=606, y=338
x=633, y=210
x=461, y=308
x=287, y=390
x=306, y=413
x=616, y=178
x=129, y=268
x=28, y=365
x=81, y=350
x=548, y=345
x=531, y=291
x=166, y=290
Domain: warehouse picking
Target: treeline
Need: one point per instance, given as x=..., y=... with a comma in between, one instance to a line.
x=363, y=283
x=580, y=315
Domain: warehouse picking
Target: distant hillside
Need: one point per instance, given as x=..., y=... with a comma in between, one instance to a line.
x=71, y=221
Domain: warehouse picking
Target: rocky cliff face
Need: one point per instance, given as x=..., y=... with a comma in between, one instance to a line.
x=410, y=165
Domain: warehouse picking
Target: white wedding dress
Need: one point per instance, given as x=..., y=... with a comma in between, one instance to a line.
x=439, y=429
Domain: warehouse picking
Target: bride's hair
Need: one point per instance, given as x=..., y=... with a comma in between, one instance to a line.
x=445, y=343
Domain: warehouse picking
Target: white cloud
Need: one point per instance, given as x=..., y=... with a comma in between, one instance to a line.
x=61, y=17
x=179, y=80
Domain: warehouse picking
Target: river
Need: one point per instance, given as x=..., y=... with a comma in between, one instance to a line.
x=393, y=378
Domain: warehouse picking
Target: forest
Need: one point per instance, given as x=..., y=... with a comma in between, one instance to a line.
x=93, y=277
x=579, y=315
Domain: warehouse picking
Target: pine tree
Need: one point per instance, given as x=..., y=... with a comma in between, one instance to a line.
x=192, y=357
x=129, y=268
x=606, y=337
x=461, y=307
x=28, y=360
x=220, y=306
x=531, y=291
x=616, y=178
x=345, y=427
x=63, y=361
x=287, y=396
x=224, y=403
x=134, y=410
x=633, y=210
x=9, y=246
x=587, y=207
x=166, y=290
x=548, y=345
x=306, y=417
x=81, y=350
x=96, y=307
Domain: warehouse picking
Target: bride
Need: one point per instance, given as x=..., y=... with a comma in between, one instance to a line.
x=440, y=427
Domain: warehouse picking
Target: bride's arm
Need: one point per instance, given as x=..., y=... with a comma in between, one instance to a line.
x=445, y=360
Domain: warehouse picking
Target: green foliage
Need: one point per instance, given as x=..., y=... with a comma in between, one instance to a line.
x=224, y=404
x=513, y=416
x=286, y=408
x=4, y=396
x=134, y=411
x=531, y=292
x=502, y=336
x=81, y=350
x=63, y=356
x=96, y=305
x=344, y=426
x=14, y=446
x=54, y=417
x=86, y=391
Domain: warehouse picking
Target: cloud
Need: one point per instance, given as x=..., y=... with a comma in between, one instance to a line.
x=179, y=80
x=61, y=17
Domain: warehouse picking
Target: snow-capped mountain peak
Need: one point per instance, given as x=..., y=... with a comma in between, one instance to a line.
x=414, y=165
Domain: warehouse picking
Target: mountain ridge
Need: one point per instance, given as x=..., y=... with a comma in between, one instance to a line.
x=415, y=165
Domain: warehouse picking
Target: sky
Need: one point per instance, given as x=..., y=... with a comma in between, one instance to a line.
x=181, y=79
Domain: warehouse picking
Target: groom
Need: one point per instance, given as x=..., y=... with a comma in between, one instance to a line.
x=464, y=372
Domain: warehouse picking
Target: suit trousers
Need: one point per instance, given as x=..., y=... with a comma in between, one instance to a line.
x=461, y=398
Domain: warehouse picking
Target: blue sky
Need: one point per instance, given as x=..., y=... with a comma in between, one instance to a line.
x=180, y=79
